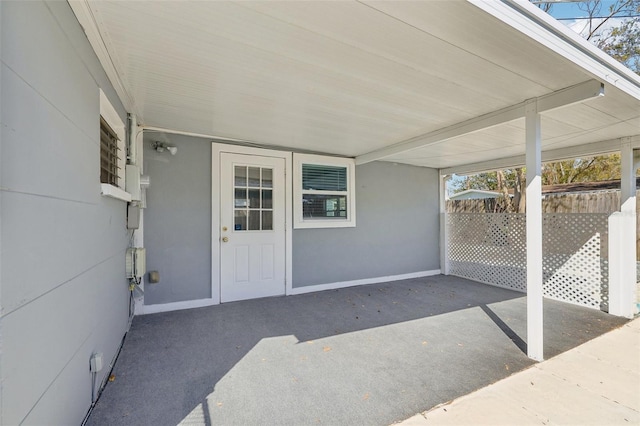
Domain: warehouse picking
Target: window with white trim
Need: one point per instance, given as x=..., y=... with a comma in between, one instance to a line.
x=112, y=151
x=324, y=191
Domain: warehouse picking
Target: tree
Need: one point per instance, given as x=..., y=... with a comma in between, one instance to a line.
x=591, y=169
x=621, y=41
x=615, y=30
x=601, y=167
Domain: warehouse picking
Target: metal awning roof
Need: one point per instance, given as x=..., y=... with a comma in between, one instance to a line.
x=355, y=78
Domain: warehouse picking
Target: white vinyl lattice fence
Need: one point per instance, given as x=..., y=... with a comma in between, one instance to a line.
x=491, y=248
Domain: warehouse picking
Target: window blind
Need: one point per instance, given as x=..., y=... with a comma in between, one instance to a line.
x=324, y=178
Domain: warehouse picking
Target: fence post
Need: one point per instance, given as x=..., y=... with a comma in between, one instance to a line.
x=444, y=234
x=622, y=264
x=622, y=240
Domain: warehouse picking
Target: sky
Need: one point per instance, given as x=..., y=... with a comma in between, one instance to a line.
x=571, y=9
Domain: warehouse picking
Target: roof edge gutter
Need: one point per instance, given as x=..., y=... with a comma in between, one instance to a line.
x=555, y=36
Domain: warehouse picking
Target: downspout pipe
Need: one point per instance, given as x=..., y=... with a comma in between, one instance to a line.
x=132, y=147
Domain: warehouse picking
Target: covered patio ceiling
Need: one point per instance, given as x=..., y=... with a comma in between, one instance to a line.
x=356, y=78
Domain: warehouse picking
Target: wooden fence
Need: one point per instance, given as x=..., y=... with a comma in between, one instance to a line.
x=585, y=202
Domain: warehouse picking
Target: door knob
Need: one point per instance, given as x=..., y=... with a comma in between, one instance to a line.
x=225, y=239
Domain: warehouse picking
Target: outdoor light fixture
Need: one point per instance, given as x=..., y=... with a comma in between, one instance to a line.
x=161, y=147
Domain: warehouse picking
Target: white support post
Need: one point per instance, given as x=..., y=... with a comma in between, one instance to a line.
x=444, y=237
x=628, y=178
x=622, y=241
x=534, y=232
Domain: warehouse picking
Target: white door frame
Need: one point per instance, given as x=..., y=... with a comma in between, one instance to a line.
x=216, y=149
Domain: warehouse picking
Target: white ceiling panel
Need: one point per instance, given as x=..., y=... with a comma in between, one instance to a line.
x=345, y=78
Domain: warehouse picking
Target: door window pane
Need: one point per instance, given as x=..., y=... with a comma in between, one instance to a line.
x=254, y=220
x=240, y=176
x=241, y=197
x=267, y=199
x=254, y=177
x=253, y=206
x=254, y=198
x=267, y=220
x=240, y=221
x=267, y=178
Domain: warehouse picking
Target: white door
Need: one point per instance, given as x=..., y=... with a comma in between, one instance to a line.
x=252, y=226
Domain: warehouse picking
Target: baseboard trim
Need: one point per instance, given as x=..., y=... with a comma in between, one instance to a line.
x=175, y=306
x=353, y=283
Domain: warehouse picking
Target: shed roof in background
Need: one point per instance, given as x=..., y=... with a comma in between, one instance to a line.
x=355, y=78
x=474, y=194
x=566, y=188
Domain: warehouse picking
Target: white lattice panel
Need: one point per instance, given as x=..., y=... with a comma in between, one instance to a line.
x=491, y=248
x=575, y=265
x=488, y=247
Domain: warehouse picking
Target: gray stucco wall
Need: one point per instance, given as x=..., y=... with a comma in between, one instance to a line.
x=397, y=230
x=177, y=221
x=62, y=245
x=397, y=218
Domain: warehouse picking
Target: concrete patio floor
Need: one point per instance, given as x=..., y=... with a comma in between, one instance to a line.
x=370, y=355
x=596, y=383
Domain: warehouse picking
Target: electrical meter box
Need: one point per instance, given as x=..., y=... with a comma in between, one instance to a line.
x=136, y=262
x=132, y=181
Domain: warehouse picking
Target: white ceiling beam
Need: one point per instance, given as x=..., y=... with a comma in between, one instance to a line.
x=571, y=95
x=560, y=98
x=559, y=154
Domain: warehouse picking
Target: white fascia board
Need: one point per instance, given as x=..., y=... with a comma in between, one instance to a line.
x=520, y=14
x=585, y=150
x=570, y=95
x=84, y=15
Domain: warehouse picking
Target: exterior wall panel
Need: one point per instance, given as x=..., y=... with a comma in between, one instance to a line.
x=397, y=228
x=397, y=232
x=177, y=220
x=62, y=245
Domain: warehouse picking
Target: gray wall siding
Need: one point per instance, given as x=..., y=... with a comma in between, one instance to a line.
x=397, y=230
x=62, y=245
x=177, y=221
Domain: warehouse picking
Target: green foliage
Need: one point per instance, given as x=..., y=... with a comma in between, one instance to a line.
x=623, y=44
x=486, y=181
x=602, y=167
x=621, y=41
x=593, y=169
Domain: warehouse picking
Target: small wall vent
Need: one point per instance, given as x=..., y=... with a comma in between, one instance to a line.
x=136, y=262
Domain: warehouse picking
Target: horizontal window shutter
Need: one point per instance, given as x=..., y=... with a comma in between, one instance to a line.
x=108, y=154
